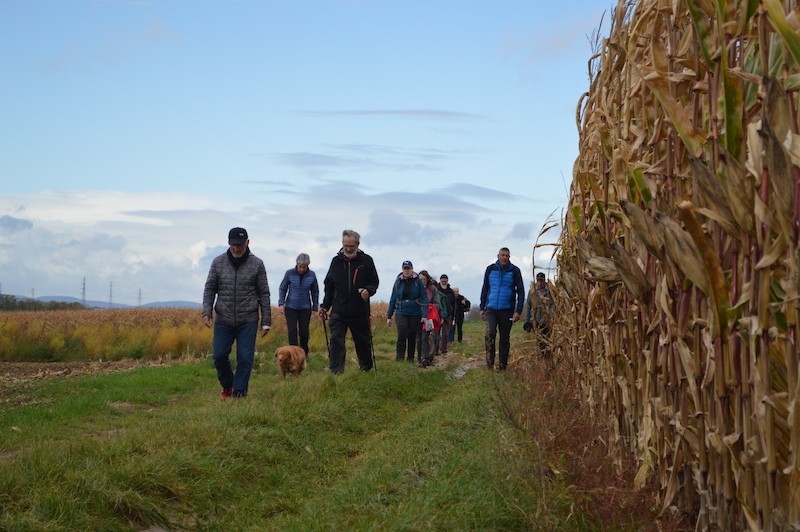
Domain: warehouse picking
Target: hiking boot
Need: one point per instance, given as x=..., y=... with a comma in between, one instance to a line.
x=226, y=393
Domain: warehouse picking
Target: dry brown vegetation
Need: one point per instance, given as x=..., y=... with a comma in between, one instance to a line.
x=679, y=271
x=575, y=446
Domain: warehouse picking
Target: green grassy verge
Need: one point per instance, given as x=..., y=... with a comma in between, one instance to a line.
x=399, y=448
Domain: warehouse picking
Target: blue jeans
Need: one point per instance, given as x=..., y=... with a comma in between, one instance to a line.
x=245, y=337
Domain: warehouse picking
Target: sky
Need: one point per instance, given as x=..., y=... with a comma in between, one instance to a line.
x=135, y=133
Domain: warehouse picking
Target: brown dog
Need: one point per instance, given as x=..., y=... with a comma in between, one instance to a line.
x=292, y=359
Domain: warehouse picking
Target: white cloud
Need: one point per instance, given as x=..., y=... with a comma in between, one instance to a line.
x=162, y=244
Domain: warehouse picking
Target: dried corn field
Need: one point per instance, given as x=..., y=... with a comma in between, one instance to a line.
x=679, y=263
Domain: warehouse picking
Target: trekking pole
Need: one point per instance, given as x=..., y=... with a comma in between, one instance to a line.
x=327, y=345
x=372, y=347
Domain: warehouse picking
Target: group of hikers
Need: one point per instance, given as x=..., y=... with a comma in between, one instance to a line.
x=428, y=315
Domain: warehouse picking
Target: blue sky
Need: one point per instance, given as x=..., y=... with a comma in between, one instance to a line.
x=135, y=133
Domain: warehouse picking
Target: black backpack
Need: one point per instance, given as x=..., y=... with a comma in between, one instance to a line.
x=466, y=305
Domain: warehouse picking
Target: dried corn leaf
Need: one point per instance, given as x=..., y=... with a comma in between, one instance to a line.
x=601, y=269
x=631, y=274
x=683, y=252
x=713, y=194
x=778, y=20
x=739, y=191
x=659, y=86
x=645, y=227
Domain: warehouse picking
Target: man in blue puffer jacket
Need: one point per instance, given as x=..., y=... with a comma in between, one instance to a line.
x=502, y=297
x=236, y=289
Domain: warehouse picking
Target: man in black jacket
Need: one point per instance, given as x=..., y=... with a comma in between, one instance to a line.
x=462, y=305
x=351, y=280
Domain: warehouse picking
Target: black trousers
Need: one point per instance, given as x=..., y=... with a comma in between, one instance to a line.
x=498, y=321
x=362, y=338
x=407, y=327
x=297, y=319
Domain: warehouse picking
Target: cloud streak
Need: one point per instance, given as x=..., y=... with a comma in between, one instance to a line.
x=417, y=114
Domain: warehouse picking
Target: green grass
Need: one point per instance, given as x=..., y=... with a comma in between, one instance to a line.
x=399, y=448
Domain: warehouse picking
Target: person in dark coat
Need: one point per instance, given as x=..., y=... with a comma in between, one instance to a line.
x=425, y=336
x=540, y=311
x=462, y=305
x=236, y=289
x=448, y=298
x=351, y=280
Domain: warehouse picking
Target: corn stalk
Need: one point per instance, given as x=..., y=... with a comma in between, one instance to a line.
x=679, y=254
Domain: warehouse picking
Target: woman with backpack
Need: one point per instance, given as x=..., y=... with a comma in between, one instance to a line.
x=409, y=305
x=425, y=338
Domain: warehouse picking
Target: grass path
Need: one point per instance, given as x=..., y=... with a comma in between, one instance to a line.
x=152, y=448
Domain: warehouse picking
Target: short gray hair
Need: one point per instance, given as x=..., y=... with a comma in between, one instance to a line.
x=303, y=258
x=350, y=232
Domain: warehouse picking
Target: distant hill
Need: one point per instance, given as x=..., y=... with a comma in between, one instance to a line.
x=104, y=304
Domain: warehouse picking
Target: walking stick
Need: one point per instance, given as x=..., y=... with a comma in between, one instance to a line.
x=327, y=345
x=371, y=347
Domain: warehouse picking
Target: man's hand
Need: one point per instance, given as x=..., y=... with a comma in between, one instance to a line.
x=516, y=317
x=264, y=332
x=207, y=321
x=389, y=322
x=323, y=313
x=364, y=293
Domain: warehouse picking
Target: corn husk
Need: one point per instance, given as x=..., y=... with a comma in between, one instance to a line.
x=680, y=256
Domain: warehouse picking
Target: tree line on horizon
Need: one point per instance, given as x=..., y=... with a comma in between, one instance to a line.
x=10, y=303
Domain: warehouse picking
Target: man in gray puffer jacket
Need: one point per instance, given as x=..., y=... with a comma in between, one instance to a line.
x=237, y=281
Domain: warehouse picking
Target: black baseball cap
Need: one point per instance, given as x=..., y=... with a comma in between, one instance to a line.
x=540, y=275
x=237, y=236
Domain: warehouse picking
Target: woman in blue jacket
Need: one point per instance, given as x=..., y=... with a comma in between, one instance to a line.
x=298, y=295
x=409, y=305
